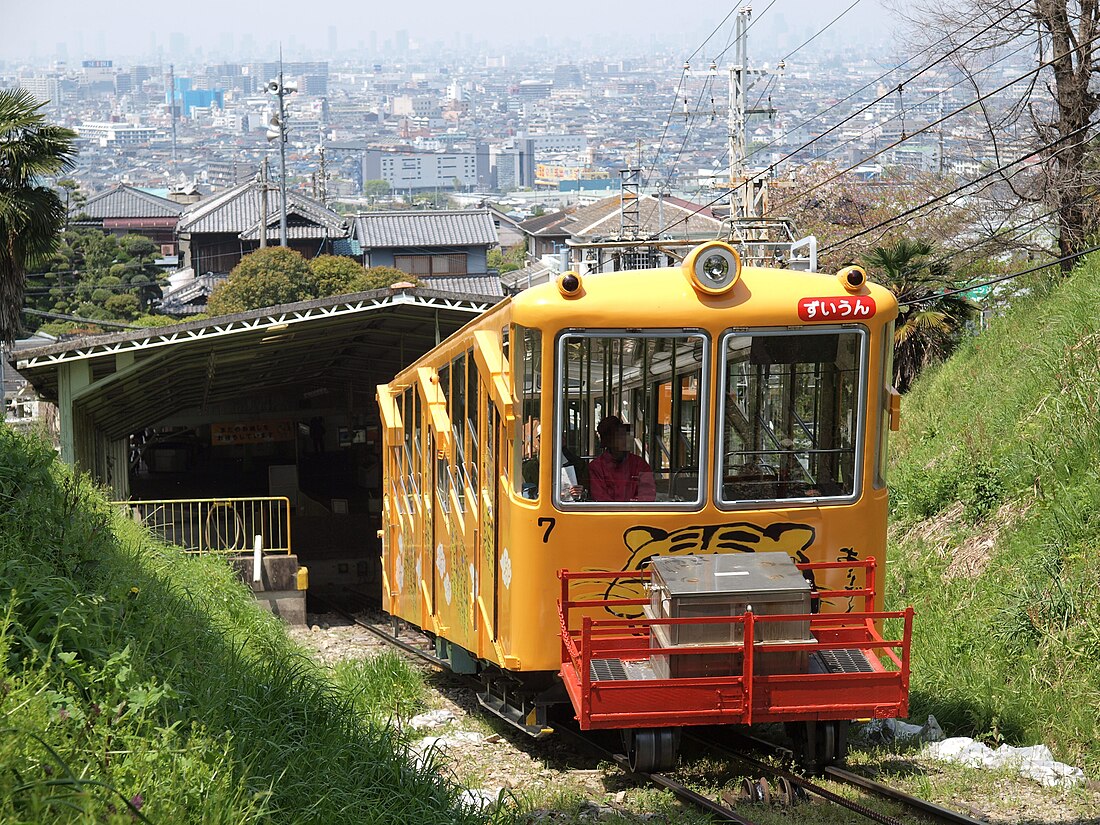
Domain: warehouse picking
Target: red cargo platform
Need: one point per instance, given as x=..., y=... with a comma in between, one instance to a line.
x=607, y=662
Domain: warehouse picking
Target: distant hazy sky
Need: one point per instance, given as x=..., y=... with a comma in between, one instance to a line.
x=117, y=29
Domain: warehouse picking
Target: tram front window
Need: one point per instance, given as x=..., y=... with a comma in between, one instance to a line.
x=791, y=414
x=629, y=418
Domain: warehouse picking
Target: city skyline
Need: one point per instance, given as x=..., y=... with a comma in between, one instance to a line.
x=74, y=31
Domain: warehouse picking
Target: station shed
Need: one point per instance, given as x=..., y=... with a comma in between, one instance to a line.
x=197, y=422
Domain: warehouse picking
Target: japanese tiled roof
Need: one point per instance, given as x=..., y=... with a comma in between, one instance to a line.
x=549, y=224
x=468, y=227
x=486, y=285
x=125, y=201
x=679, y=218
x=238, y=210
x=347, y=246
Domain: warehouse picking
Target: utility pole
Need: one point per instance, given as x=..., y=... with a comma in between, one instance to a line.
x=263, y=203
x=277, y=130
x=322, y=187
x=753, y=190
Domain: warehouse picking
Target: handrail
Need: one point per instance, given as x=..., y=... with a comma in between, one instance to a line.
x=607, y=635
x=216, y=525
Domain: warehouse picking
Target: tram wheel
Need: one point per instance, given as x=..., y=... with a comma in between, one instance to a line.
x=820, y=744
x=832, y=743
x=650, y=750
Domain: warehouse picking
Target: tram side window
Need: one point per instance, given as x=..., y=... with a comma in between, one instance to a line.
x=471, y=419
x=630, y=407
x=886, y=383
x=528, y=387
x=457, y=412
x=408, y=419
x=791, y=417
x=442, y=462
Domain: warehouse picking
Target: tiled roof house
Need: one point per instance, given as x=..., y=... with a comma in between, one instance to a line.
x=217, y=231
x=125, y=209
x=448, y=248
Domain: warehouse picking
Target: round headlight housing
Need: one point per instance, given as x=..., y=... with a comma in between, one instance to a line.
x=570, y=284
x=713, y=268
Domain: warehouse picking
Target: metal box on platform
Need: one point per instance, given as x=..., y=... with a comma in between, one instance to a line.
x=728, y=584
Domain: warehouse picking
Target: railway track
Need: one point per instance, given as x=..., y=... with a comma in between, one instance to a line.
x=786, y=787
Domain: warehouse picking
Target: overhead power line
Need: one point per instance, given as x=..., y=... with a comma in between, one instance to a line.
x=957, y=189
x=938, y=121
x=1002, y=278
x=892, y=90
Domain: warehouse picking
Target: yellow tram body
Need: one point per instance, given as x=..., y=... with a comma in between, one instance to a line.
x=784, y=372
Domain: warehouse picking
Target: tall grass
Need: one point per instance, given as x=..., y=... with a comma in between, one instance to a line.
x=1009, y=429
x=139, y=684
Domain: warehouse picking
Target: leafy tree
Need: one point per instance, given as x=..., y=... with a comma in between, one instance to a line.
x=1053, y=110
x=379, y=277
x=267, y=277
x=122, y=305
x=507, y=260
x=90, y=266
x=159, y=320
x=376, y=190
x=31, y=216
x=74, y=198
x=929, y=323
x=335, y=275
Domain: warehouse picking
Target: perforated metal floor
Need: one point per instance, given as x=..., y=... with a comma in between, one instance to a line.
x=839, y=661
x=607, y=670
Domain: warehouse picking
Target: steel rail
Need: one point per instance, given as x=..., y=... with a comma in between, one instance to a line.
x=430, y=658
x=930, y=808
x=678, y=789
x=840, y=775
x=802, y=782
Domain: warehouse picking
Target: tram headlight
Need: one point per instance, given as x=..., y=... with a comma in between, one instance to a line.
x=570, y=284
x=852, y=278
x=713, y=268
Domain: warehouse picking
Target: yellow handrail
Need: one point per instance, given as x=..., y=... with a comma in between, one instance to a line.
x=216, y=525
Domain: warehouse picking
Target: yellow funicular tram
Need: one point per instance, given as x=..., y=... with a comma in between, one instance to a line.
x=620, y=423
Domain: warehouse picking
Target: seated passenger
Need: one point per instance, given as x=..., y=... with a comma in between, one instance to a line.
x=573, y=467
x=617, y=474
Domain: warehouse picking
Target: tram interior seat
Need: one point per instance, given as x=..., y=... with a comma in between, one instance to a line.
x=683, y=484
x=751, y=481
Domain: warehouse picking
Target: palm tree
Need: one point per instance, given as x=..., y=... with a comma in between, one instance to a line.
x=31, y=215
x=929, y=322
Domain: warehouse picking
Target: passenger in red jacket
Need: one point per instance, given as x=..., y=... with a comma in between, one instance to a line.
x=617, y=474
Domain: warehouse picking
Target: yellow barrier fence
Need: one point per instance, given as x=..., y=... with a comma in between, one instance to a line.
x=216, y=525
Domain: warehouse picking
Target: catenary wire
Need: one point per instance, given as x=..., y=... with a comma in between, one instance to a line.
x=1001, y=278
x=881, y=97
x=1030, y=153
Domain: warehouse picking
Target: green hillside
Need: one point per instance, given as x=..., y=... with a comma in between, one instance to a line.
x=139, y=684
x=996, y=507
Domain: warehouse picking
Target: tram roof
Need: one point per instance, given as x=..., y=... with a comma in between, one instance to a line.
x=664, y=297
x=139, y=377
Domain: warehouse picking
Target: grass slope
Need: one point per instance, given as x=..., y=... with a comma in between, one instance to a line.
x=995, y=487
x=139, y=684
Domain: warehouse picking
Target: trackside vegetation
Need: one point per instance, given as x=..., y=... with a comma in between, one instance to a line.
x=139, y=684
x=995, y=488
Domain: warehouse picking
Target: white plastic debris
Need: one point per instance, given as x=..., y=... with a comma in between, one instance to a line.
x=479, y=799
x=432, y=719
x=894, y=730
x=465, y=737
x=1035, y=762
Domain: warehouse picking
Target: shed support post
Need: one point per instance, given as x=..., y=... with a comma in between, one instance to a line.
x=72, y=377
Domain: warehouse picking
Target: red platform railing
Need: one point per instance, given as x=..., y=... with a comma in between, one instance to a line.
x=591, y=631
